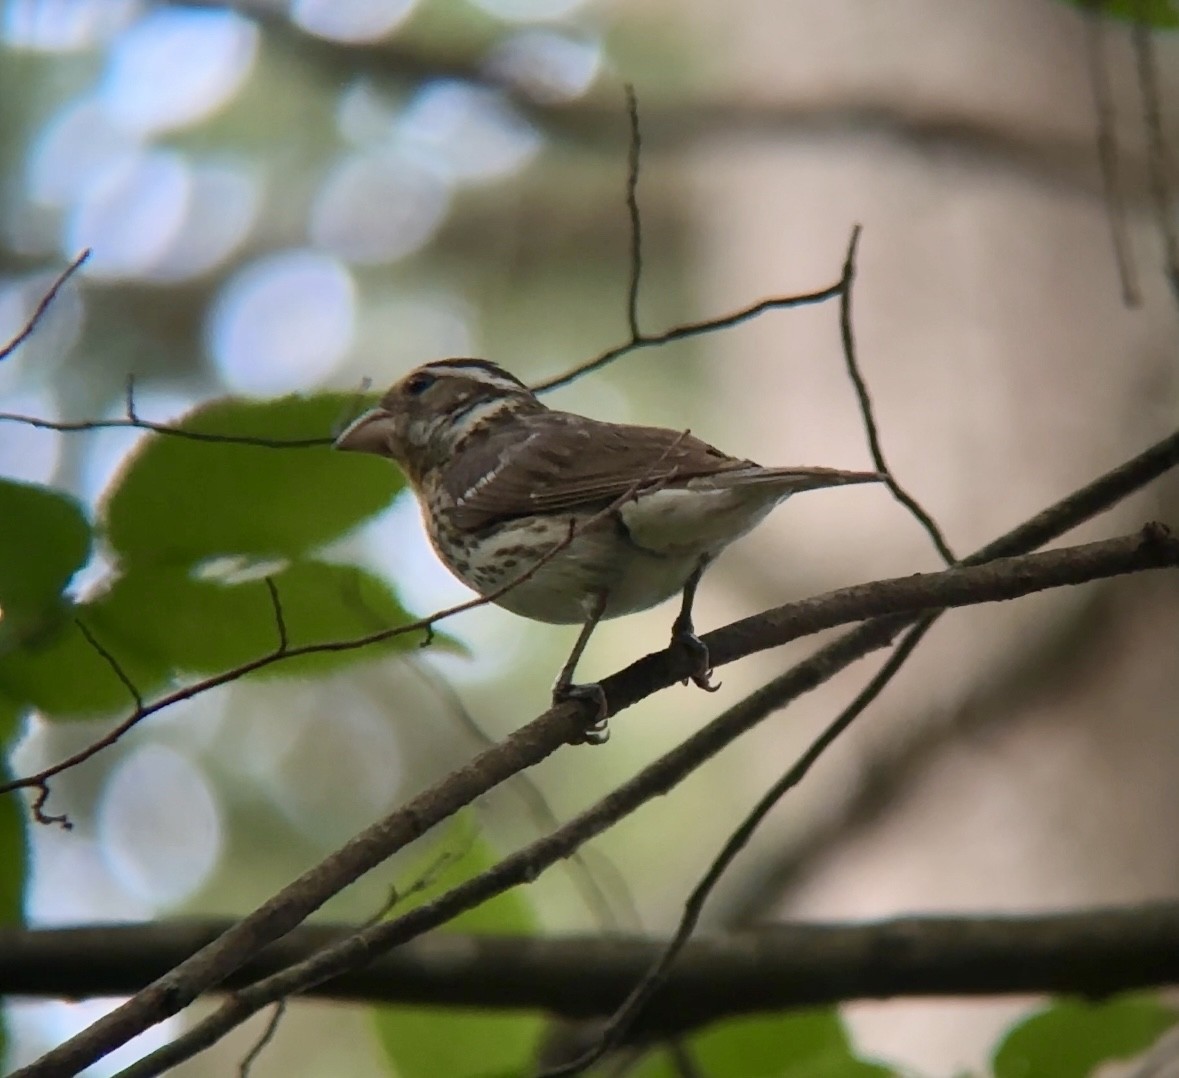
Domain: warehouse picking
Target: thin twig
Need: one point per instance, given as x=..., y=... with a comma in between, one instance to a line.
x=632, y=212
x=129, y=423
x=536, y=804
x=44, y=305
x=248, y=1060
x=1105, y=121
x=847, y=336
x=688, y=330
x=280, y=621
x=615, y=1030
x=113, y=663
x=1158, y=162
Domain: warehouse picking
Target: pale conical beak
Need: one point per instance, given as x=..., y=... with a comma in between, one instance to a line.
x=368, y=433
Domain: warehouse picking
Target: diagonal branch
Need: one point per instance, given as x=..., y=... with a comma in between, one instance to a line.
x=43, y=305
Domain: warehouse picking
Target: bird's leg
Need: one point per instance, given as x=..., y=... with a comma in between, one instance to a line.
x=597, y=732
x=683, y=632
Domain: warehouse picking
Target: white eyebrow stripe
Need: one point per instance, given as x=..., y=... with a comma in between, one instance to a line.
x=475, y=372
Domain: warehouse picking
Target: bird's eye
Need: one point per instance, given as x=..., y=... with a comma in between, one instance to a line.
x=418, y=383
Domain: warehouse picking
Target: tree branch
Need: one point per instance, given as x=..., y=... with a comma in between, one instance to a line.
x=525, y=865
x=1092, y=952
x=525, y=747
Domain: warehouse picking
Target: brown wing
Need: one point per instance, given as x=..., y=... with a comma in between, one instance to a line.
x=555, y=461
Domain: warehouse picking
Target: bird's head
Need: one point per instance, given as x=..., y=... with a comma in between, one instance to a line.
x=423, y=418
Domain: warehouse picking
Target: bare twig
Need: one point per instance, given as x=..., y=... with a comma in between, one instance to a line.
x=135, y=423
x=112, y=662
x=687, y=330
x=1158, y=159
x=632, y=212
x=44, y=305
x=1105, y=121
x=615, y=1030
x=280, y=621
x=866, y=411
x=267, y=1035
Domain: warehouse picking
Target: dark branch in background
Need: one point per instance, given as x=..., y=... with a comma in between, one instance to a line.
x=929, y=130
x=1105, y=121
x=1095, y=952
x=46, y=302
x=1157, y=158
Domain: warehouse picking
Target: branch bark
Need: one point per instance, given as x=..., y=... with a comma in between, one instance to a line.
x=1093, y=952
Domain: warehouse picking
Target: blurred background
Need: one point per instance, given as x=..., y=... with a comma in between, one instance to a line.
x=291, y=196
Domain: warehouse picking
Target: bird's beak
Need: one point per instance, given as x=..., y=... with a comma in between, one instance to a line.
x=368, y=433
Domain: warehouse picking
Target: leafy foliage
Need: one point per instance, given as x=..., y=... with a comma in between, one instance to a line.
x=180, y=501
x=44, y=541
x=425, y=1041
x=810, y=1044
x=1160, y=14
x=1071, y=1038
x=176, y=511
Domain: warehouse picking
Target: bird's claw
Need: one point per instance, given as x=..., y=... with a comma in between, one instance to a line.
x=596, y=732
x=685, y=638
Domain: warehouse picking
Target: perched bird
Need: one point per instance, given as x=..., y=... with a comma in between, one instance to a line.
x=502, y=480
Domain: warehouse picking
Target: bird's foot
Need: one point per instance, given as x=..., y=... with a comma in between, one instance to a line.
x=683, y=636
x=596, y=732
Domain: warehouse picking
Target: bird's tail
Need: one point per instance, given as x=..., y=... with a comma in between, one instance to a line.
x=794, y=480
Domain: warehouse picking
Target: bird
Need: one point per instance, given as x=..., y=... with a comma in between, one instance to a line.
x=565, y=519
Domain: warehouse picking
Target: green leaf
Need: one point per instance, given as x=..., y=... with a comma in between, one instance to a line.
x=459, y=855
x=13, y=860
x=1160, y=14
x=44, y=540
x=179, y=502
x=201, y=625
x=427, y=1042
x=1071, y=1038
x=63, y=676
x=160, y=622
x=465, y=1044
x=807, y=1044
